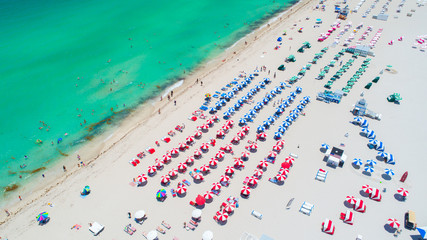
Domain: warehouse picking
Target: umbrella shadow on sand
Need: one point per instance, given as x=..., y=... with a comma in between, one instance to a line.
x=379, y=158
x=389, y=229
x=399, y=197
x=323, y=150
x=355, y=166
x=366, y=173
x=386, y=177
x=363, y=193
x=347, y=204
x=182, y=195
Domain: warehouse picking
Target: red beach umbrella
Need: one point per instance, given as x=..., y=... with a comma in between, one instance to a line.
x=173, y=172
x=367, y=189
x=277, y=148
x=393, y=223
x=166, y=158
x=238, y=162
x=159, y=164
x=285, y=165
x=229, y=170
x=182, y=167
x=262, y=136
x=208, y=195
x=241, y=134
x=403, y=192
x=230, y=123
x=280, y=177
x=280, y=143
x=284, y=171
x=181, y=189
x=219, y=155
x=228, y=148
x=198, y=134
x=198, y=176
x=253, y=181
x=253, y=146
x=165, y=179
x=200, y=200
x=225, y=127
x=204, y=168
x=210, y=121
x=213, y=162
x=174, y=151
x=224, y=178
x=245, y=155
x=197, y=153
x=263, y=164
x=220, y=133
x=151, y=169
x=272, y=155
x=141, y=178
x=290, y=160
x=246, y=128
x=216, y=186
x=229, y=207
x=189, y=140
x=182, y=146
x=351, y=200
x=235, y=139
x=204, y=147
x=258, y=172
x=245, y=191
x=190, y=159
x=215, y=117
x=204, y=127
x=222, y=216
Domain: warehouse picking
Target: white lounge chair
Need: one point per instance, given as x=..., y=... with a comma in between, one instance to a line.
x=321, y=175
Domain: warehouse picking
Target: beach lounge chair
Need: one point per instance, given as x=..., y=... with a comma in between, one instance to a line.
x=129, y=229
x=216, y=192
x=246, y=181
x=166, y=225
x=186, y=182
x=306, y=208
x=144, y=234
x=321, y=175
x=191, y=227
x=173, y=192
x=160, y=230
x=193, y=223
x=273, y=180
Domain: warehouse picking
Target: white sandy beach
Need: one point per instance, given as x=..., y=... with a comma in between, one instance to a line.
x=401, y=129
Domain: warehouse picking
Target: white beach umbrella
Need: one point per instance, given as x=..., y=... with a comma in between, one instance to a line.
x=196, y=213
x=139, y=214
x=152, y=235
x=207, y=235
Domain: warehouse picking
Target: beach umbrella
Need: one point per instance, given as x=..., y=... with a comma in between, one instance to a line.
x=403, y=192
x=219, y=155
x=189, y=139
x=290, y=160
x=279, y=110
x=284, y=171
x=248, y=117
x=237, y=106
x=253, y=181
x=278, y=135
x=380, y=146
x=228, y=148
x=152, y=235
x=389, y=172
x=159, y=163
x=253, y=146
x=245, y=155
x=245, y=191
x=204, y=147
x=166, y=158
x=280, y=177
x=198, y=134
x=271, y=119
x=307, y=98
x=220, y=133
x=393, y=223
x=204, y=168
x=208, y=195
x=277, y=148
x=213, y=162
x=359, y=206
x=139, y=214
x=181, y=189
x=161, y=193
x=210, y=122
x=197, y=153
x=174, y=151
x=216, y=186
x=369, y=169
x=371, y=135
x=241, y=134
x=367, y=189
x=165, y=179
x=257, y=107
x=224, y=178
x=357, y=161
x=212, y=110
x=262, y=136
x=280, y=143
x=204, y=127
x=42, y=216
x=197, y=213
x=200, y=200
x=375, y=195
x=382, y=154
x=423, y=232
x=364, y=123
x=198, y=176
x=238, y=162
x=230, y=123
x=182, y=167
x=222, y=216
x=351, y=200
x=151, y=169
x=246, y=129
x=371, y=162
x=229, y=170
x=242, y=121
x=390, y=159
x=258, y=172
x=325, y=146
x=293, y=116
x=260, y=129
x=225, y=128
x=272, y=155
x=289, y=119
x=229, y=207
x=207, y=235
x=263, y=164
x=358, y=119
x=373, y=141
x=365, y=130
x=141, y=178
x=328, y=227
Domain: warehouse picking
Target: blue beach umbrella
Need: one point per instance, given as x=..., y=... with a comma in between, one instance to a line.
x=371, y=162
x=286, y=124
x=299, y=89
x=300, y=107
x=273, y=93
x=257, y=108
x=248, y=117
x=283, y=85
x=369, y=169
x=262, y=83
x=358, y=119
x=278, y=89
x=279, y=110
x=242, y=122
x=266, y=124
x=226, y=115
x=357, y=161
x=279, y=39
x=248, y=80
x=382, y=154
x=267, y=80
x=269, y=96
x=253, y=90
x=325, y=146
x=290, y=99
x=294, y=116
x=251, y=76
x=243, y=83
x=260, y=129
x=231, y=110
x=390, y=159
x=293, y=94
x=371, y=135
x=289, y=119
x=365, y=130
x=239, y=86
x=307, y=98
x=252, y=112
x=258, y=87
x=389, y=172
x=235, y=90
x=240, y=101
x=223, y=102
x=256, y=71
x=281, y=129
x=373, y=141
x=278, y=135
x=364, y=123
x=423, y=232
x=237, y=106
x=271, y=119
x=218, y=106
x=380, y=146
x=212, y=110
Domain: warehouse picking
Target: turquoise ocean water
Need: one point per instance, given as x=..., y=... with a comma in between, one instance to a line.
x=70, y=68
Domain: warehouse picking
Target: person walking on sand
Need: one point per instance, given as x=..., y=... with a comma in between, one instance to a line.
x=65, y=169
x=130, y=215
x=174, y=102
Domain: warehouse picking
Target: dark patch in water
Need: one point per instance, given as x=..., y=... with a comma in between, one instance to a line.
x=11, y=173
x=11, y=188
x=62, y=153
x=33, y=171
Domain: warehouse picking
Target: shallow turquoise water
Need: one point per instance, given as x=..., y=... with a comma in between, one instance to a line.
x=64, y=63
